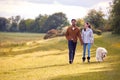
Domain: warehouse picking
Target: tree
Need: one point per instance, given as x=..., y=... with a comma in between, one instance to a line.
x=42, y=22
x=80, y=22
x=115, y=17
x=14, y=23
x=37, y=25
x=3, y=24
x=29, y=23
x=55, y=21
x=17, y=21
x=22, y=26
x=95, y=18
x=13, y=27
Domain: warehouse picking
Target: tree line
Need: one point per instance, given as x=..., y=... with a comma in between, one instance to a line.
x=43, y=23
x=115, y=16
x=40, y=24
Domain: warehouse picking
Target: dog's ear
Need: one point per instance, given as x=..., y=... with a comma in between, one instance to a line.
x=104, y=55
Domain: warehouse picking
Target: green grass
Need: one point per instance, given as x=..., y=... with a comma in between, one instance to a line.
x=11, y=39
x=38, y=59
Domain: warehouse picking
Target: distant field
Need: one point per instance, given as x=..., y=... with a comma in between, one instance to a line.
x=26, y=56
x=19, y=37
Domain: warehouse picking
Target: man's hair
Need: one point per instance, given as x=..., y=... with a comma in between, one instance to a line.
x=73, y=20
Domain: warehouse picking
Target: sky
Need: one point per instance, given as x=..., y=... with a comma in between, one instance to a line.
x=32, y=8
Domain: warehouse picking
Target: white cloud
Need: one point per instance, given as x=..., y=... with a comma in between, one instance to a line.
x=103, y=6
x=83, y=3
x=31, y=10
x=28, y=9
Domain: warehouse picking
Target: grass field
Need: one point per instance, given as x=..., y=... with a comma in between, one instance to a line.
x=25, y=56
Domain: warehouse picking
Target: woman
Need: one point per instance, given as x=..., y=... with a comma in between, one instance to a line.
x=87, y=37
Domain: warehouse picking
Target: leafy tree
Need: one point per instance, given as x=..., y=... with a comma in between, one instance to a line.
x=14, y=23
x=17, y=21
x=42, y=22
x=115, y=17
x=22, y=26
x=3, y=24
x=55, y=21
x=29, y=23
x=95, y=18
x=37, y=25
x=13, y=27
x=80, y=22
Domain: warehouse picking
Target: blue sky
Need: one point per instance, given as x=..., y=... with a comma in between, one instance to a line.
x=32, y=8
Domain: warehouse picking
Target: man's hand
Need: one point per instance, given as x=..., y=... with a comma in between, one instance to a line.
x=81, y=43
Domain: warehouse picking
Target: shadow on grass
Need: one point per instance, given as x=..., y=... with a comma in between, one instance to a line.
x=52, y=54
x=28, y=51
x=55, y=65
x=101, y=75
x=47, y=66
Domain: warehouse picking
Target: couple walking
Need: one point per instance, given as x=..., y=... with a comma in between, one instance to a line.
x=86, y=39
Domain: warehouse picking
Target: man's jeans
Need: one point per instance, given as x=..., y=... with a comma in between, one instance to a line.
x=88, y=45
x=72, y=48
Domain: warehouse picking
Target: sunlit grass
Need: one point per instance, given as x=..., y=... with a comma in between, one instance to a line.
x=48, y=60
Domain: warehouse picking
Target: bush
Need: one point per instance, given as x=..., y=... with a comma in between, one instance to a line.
x=53, y=33
x=107, y=28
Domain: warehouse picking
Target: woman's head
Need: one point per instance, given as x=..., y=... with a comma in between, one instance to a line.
x=87, y=25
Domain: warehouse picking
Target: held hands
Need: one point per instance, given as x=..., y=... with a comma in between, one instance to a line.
x=81, y=42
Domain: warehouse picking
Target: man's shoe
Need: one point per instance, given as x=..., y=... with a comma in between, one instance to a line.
x=83, y=58
x=70, y=62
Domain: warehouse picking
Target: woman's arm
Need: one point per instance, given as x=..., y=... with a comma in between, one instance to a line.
x=92, y=36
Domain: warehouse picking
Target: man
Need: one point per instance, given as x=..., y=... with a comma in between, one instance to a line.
x=72, y=34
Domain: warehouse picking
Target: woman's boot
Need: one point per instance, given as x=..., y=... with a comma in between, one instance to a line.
x=88, y=58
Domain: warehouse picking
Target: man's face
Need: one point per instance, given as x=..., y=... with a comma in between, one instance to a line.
x=73, y=22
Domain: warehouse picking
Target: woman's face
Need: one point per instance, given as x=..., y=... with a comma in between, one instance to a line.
x=86, y=25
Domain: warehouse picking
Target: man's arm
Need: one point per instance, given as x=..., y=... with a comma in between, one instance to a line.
x=67, y=34
x=80, y=38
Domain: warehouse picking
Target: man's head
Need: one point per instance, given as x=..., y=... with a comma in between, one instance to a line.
x=73, y=21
